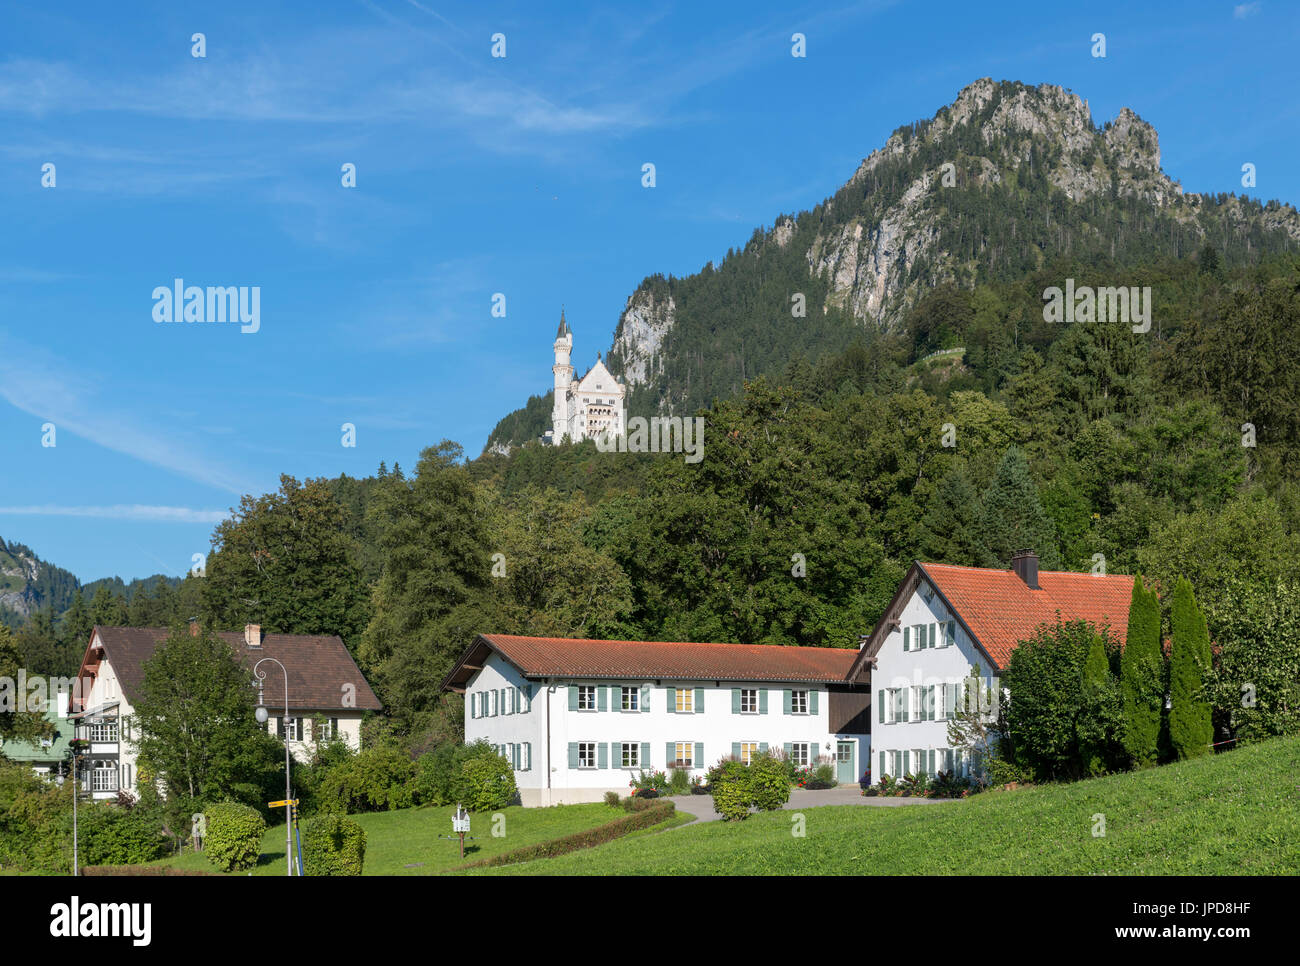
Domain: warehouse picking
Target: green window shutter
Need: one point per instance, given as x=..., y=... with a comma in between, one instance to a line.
x=762, y=747
x=573, y=754
x=762, y=700
x=603, y=753
x=670, y=700
x=949, y=700
x=602, y=698
x=645, y=754
x=699, y=755
x=699, y=701
x=812, y=700
x=473, y=706
x=882, y=765
x=788, y=701
x=907, y=638
x=528, y=698
x=933, y=716
x=880, y=699
x=735, y=700
x=932, y=628
x=931, y=761
x=735, y=749
x=789, y=748
x=950, y=636
x=670, y=753
x=645, y=697
x=573, y=697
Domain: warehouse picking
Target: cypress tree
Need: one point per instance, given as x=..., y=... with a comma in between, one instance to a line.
x=1095, y=727
x=1190, y=727
x=1140, y=676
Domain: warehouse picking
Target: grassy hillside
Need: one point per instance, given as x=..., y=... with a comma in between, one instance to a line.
x=409, y=837
x=1231, y=814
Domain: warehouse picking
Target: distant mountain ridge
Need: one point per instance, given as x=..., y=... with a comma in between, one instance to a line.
x=29, y=584
x=991, y=188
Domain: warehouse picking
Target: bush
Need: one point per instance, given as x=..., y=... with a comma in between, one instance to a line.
x=679, y=782
x=112, y=835
x=374, y=780
x=731, y=790
x=652, y=814
x=234, y=836
x=488, y=784
x=769, y=783
x=439, y=774
x=612, y=800
x=333, y=845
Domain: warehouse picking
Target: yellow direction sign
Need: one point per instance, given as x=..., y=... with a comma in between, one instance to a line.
x=281, y=804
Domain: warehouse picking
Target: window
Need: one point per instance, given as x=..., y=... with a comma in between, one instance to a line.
x=631, y=753
x=586, y=754
x=801, y=754
x=917, y=709
x=900, y=704
x=798, y=702
x=291, y=728
x=685, y=699
x=587, y=697
x=631, y=699
x=104, y=731
x=325, y=729
x=748, y=700
x=684, y=754
x=103, y=776
x=918, y=761
x=748, y=749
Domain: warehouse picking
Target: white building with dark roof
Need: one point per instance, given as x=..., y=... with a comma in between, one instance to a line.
x=587, y=407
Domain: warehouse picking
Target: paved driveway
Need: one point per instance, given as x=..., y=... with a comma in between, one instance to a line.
x=701, y=806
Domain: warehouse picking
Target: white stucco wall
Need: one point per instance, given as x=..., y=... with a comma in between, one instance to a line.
x=896, y=668
x=716, y=727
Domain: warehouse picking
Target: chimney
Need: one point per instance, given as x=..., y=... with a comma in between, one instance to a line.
x=194, y=627
x=1025, y=564
x=253, y=635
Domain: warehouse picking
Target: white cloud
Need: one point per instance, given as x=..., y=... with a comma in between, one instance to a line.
x=122, y=511
x=1243, y=10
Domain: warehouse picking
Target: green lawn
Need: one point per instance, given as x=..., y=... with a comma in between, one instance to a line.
x=395, y=840
x=1235, y=813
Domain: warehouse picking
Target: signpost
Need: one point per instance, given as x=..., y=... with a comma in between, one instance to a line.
x=291, y=805
x=459, y=826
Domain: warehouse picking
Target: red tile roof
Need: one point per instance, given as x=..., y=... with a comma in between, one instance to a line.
x=1001, y=610
x=575, y=658
x=319, y=667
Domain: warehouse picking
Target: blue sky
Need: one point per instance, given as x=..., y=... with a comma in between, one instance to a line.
x=475, y=175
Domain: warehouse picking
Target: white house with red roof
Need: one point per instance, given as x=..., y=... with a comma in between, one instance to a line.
x=578, y=718
x=943, y=622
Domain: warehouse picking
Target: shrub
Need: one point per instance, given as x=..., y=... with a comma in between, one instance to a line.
x=731, y=790
x=333, y=845
x=769, y=783
x=679, y=782
x=112, y=835
x=234, y=836
x=439, y=775
x=653, y=783
x=487, y=784
x=374, y=780
x=611, y=799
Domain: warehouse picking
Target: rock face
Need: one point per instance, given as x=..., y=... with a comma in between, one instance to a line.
x=975, y=193
x=645, y=321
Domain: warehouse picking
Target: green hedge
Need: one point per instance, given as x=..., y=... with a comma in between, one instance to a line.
x=333, y=845
x=488, y=784
x=234, y=836
x=659, y=812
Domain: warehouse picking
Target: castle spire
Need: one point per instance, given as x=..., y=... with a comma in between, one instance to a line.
x=564, y=326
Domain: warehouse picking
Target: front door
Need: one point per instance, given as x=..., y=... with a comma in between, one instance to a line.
x=844, y=773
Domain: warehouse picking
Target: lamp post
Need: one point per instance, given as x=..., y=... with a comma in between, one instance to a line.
x=262, y=716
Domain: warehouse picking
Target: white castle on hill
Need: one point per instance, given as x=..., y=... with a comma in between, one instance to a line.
x=587, y=407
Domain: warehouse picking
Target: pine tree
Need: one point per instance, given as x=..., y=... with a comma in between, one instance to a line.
x=950, y=527
x=77, y=624
x=1012, y=518
x=1140, y=676
x=1190, y=727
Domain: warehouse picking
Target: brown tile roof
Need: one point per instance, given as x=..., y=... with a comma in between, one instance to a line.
x=1001, y=610
x=578, y=658
x=318, y=667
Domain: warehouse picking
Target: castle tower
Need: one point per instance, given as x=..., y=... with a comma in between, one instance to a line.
x=563, y=371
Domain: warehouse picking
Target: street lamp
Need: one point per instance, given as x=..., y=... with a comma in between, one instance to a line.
x=262, y=716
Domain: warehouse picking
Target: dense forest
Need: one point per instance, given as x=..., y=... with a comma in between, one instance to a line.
x=1169, y=453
